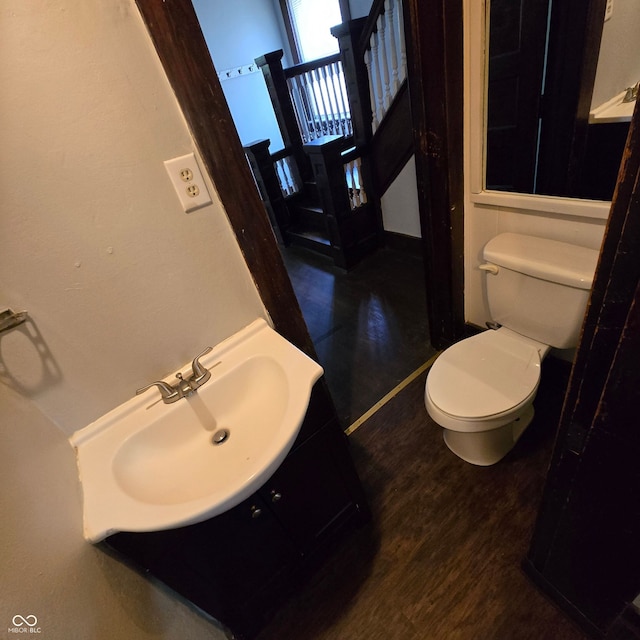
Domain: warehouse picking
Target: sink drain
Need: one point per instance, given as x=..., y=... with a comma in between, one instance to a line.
x=220, y=436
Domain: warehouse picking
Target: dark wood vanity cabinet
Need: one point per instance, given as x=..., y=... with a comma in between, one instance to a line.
x=241, y=564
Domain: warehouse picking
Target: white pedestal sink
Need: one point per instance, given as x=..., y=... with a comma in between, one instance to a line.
x=147, y=465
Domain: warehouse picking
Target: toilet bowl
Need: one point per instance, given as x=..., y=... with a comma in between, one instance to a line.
x=481, y=390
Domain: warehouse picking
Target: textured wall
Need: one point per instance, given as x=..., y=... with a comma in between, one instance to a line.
x=122, y=286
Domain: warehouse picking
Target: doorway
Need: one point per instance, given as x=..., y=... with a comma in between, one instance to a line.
x=369, y=326
x=439, y=175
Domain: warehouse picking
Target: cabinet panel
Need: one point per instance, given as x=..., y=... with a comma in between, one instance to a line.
x=319, y=412
x=217, y=564
x=308, y=493
x=239, y=565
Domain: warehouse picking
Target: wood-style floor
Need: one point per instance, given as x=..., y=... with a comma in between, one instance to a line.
x=441, y=558
x=368, y=325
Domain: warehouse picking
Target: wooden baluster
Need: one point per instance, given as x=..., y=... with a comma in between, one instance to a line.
x=286, y=169
x=343, y=100
x=351, y=187
x=356, y=183
x=269, y=183
x=308, y=107
x=390, y=11
x=324, y=130
x=384, y=62
x=313, y=103
x=362, y=194
x=368, y=60
x=338, y=91
x=377, y=80
x=298, y=108
x=293, y=173
x=281, y=178
x=326, y=89
x=401, y=43
x=335, y=93
x=347, y=108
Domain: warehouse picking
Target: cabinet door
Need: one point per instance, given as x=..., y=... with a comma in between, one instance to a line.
x=308, y=493
x=219, y=564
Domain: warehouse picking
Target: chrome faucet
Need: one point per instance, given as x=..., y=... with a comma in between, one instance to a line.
x=184, y=387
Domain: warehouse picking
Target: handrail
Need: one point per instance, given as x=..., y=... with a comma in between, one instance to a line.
x=382, y=45
x=282, y=153
x=370, y=25
x=304, y=67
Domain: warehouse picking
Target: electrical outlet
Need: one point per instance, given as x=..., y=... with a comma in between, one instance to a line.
x=188, y=182
x=608, y=12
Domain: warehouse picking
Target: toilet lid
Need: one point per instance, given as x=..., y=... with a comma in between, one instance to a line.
x=485, y=375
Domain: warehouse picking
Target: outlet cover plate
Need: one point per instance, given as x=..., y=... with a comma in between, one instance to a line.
x=187, y=180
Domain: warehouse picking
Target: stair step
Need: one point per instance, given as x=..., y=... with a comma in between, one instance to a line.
x=308, y=216
x=309, y=238
x=310, y=189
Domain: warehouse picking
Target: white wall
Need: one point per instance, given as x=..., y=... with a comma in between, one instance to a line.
x=490, y=213
x=619, y=58
x=48, y=570
x=121, y=285
x=399, y=204
x=359, y=8
x=236, y=33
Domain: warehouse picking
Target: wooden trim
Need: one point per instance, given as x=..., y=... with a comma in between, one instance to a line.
x=289, y=30
x=181, y=47
x=576, y=29
x=567, y=607
x=433, y=30
x=392, y=142
x=304, y=67
x=377, y=7
x=404, y=243
x=345, y=10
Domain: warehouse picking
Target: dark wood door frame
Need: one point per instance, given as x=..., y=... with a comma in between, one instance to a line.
x=433, y=32
x=436, y=30
x=584, y=549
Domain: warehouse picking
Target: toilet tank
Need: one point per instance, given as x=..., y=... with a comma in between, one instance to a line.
x=541, y=286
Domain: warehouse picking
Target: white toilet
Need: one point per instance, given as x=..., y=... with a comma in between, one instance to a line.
x=481, y=389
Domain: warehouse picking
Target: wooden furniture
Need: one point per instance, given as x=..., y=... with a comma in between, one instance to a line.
x=241, y=564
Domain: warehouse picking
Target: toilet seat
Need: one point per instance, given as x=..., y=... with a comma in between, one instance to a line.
x=488, y=377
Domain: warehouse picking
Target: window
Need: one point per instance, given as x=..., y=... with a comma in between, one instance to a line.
x=310, y=23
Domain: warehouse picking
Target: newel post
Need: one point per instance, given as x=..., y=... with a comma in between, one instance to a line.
x=268, y=185
x=328, y=170
x=271, y=66
x=356, y=78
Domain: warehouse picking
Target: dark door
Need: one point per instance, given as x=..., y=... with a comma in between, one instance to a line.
x=517, y=42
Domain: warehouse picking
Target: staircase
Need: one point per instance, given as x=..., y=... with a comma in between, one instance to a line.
x=346, y=126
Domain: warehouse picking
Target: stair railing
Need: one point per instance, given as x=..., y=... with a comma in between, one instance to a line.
x=319, y=94
x=276, y=178
x=328, y=111
x=383, y=46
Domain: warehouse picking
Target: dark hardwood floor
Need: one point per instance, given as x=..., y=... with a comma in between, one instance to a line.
x=368, y=325
x=441, y=557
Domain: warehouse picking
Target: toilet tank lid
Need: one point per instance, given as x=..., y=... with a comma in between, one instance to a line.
x=542, y=258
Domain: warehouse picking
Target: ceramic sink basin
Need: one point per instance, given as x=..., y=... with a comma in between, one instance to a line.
x=147, y=465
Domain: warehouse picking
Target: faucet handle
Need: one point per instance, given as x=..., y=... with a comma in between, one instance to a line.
x=166, y=390
x=200, y=373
